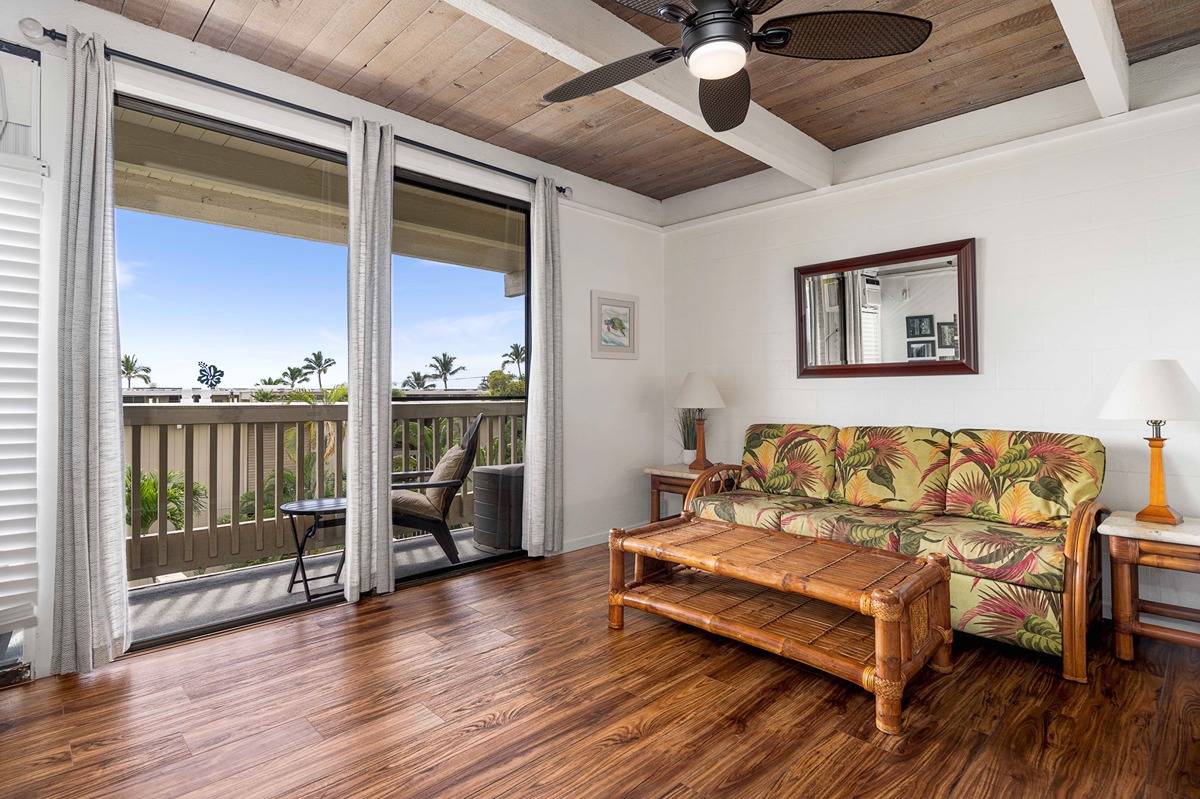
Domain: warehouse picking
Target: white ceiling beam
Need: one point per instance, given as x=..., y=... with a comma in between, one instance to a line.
x=583, y=35
x=1091, y=28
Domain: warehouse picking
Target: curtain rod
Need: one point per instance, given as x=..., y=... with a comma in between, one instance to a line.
x=109, y=52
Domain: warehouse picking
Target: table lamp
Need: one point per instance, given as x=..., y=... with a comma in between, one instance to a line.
x=1157, y=391
x=699, y=392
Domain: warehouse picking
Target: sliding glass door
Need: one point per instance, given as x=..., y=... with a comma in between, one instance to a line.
x=232, y=255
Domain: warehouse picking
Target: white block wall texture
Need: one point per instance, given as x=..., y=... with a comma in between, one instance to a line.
x=1088, y=257
x=613, y=408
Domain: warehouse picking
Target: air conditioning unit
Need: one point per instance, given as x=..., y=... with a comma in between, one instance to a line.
x=873, y=293
x=498, y=506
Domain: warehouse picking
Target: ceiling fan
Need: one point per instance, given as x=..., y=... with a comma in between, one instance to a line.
x=718, y=35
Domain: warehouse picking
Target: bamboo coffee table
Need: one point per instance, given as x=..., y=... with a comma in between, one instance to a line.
x=872, y=617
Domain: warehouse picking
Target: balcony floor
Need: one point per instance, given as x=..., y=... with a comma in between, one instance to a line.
x=178, y=609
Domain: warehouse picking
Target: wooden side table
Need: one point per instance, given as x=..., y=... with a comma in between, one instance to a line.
x=674, y=478
x=1131, y=544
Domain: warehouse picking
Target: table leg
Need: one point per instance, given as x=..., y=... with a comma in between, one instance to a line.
x=616, y=587
x=939, y=597
x=1124, y=597
x=655, y=502
x=889, y=680
x=299, y=553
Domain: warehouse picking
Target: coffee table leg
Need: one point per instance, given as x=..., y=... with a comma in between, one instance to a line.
x=889, y=680
x=940, y=598
x=616, y=587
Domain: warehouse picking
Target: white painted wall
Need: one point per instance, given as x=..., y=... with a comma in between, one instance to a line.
x=613, y=408
x=1088, y=257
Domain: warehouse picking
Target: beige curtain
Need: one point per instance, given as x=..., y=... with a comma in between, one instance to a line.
x=91, y=613
x=543, y=524
x=369, y=415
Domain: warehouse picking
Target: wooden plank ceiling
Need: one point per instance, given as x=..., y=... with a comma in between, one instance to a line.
x=431, y=61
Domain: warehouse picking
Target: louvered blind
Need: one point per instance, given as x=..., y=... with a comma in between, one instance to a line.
x=20, y=221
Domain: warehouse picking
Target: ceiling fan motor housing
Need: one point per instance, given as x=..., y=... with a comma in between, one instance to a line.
x=716, y=20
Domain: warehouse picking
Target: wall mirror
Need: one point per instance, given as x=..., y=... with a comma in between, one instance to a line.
x=908, y=312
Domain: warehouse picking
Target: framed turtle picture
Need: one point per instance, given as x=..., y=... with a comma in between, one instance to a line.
x=614, y=325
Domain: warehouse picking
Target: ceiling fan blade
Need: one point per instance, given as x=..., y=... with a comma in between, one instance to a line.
x=843, y=35
x=761, y=6
x=610, y=75
x=672, y=10
x=725, y=102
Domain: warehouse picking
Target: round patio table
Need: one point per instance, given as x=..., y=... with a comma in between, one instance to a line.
x=325, y=512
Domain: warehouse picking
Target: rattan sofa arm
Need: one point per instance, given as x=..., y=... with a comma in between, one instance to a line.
x=1082, y=571
x=714, y=480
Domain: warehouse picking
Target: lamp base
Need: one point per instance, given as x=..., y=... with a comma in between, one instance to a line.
x=1159, y=514
x=1158, y=511
x=702, y=462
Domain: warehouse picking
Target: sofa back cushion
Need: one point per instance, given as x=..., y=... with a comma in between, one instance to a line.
x=1021, y=477
x=794, y=459
x=898, y=468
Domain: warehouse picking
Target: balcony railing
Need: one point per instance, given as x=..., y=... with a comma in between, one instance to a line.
x=210, y=477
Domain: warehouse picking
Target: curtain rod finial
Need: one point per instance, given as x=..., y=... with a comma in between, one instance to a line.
x=33, y=30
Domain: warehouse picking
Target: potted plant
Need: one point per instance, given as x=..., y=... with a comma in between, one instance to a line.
x=685, y=421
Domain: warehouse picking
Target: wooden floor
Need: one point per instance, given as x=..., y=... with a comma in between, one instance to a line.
x=507, y=683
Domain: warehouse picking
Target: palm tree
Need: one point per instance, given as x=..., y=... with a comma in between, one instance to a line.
x=515, y=356
x=293, y=376
x=317, y=364
x=131, y=370
x=417, y=381
x=443, y=368
x=271, y=381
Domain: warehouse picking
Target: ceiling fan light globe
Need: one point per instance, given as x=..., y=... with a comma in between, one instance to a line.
x=717, y=60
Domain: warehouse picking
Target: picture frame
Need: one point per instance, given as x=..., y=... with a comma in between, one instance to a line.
x=615, y=325
x=923, y=350
x=919, y=326
x=947, y=335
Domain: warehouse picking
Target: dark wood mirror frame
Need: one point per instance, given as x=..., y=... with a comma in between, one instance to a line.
x=966, y=364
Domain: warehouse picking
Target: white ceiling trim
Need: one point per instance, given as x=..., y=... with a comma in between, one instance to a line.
x=1091, y=28
x=1158, y=85
x=583, y=35
x=1126, y=122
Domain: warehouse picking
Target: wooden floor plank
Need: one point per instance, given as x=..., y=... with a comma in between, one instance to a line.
x=507, y=683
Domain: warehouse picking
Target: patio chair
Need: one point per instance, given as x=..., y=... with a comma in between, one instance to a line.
x=425, y=504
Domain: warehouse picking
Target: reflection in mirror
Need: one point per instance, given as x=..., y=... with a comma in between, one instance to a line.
x=894, y=313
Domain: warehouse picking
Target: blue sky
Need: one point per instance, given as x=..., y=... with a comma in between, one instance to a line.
x=255, y=303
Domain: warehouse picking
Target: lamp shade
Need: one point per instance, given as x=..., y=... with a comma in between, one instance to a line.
x=699, y=391
x=1154, y=389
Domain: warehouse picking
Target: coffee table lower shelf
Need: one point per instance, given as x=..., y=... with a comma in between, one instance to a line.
x=810, y=631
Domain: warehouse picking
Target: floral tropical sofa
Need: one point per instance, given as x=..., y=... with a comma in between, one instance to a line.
x=1014, y=511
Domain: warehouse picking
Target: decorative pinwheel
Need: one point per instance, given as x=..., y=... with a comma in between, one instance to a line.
x=210, y=375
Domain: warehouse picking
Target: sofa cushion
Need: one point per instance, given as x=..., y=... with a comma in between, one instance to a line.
x=1022, y=478
x=1015, y=614
x=750, y=508
x=878, y=528
x=1028, y=556
x=792, y=459
x=900, y=468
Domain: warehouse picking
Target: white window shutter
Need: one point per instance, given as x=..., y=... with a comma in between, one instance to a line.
x=20, y=223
